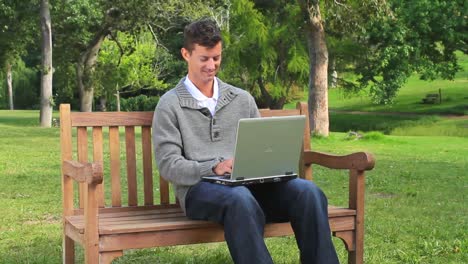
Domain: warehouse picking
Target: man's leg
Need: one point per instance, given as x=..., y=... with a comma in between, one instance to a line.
x=240, y=214
x=304, y=204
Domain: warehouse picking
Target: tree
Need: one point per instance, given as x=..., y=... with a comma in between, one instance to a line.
x=86, y=24
x=137, y=69
x=264, y=51
x=318, y=67
x=17, y=31
x=46, y=66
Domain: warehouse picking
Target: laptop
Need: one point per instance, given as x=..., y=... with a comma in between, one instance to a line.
x=272, y=157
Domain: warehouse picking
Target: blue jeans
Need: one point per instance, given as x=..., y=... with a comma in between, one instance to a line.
x=243, y=211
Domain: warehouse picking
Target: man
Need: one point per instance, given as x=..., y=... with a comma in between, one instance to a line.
x=194, y=132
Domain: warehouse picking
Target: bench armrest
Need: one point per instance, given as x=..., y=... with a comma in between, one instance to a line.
x=358, y=161
x=90, y=173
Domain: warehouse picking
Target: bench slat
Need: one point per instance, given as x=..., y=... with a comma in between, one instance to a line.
x=163, y=190
x=82, y=149
x=114, y=149
x=173, y=218
x=111, y=119
x=132, y=218
x=147, y=165
x=131, y=165
x=98, y=157
x=270, y=113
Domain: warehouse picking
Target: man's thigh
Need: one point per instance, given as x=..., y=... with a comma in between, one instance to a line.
x=208, y=201
x=276, y=199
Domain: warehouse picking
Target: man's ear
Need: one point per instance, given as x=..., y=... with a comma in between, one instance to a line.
x=185, y=53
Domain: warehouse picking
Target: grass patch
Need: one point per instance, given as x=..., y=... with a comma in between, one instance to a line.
x=414, y=199
x=408, y=99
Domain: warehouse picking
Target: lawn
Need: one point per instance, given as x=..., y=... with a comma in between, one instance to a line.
x=409, y=97
x=415, y=198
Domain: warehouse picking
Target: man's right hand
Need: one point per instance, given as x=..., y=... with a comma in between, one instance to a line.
x=224, y=167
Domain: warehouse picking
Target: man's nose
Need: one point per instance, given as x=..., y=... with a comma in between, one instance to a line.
x=211, y=64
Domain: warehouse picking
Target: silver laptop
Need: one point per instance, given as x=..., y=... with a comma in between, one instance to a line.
x=267, y=149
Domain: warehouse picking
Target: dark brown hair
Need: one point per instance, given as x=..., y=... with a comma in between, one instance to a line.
x=203, y=32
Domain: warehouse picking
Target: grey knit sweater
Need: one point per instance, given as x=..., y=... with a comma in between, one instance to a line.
x=188, y=141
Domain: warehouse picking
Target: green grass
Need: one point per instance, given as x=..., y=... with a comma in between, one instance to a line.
x=415, y=198
x=454, y=96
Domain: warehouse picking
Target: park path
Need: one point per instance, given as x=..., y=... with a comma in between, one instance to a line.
x=460, y=117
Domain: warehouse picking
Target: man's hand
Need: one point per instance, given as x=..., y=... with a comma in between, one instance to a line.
x=223, y=167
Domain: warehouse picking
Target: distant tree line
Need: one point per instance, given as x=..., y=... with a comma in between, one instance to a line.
x=104, y=51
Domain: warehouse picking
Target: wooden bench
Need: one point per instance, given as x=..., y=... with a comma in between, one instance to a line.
x=102, y=149
x=431, y=99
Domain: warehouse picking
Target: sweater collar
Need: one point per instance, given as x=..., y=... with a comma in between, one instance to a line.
x=226, y=95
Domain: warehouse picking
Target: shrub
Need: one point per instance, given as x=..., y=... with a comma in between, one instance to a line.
x=139, y=103
x=373, y=135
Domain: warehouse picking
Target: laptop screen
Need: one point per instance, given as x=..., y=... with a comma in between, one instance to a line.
x=268, y=146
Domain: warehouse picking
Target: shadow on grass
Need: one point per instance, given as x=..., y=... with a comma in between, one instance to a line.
x=341, y=122
x=19, y=120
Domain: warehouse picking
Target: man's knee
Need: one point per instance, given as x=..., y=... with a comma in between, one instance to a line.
x=242, y=201
x=308, y=190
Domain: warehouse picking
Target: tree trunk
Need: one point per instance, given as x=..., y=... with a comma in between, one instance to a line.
x=10, y=86
x=47, y=70
x=318, y=67
x=102, y=104
x=266, y=100
x=334, y=74
x=117, y=94
x=85, y=68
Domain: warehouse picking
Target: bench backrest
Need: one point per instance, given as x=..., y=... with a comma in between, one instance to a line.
x=121, y=142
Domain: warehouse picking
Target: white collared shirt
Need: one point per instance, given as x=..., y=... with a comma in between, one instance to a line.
x=203, y=100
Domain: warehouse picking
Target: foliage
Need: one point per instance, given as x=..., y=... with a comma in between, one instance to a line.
x=387, y=41
x=265, y=50
x=25, y=87
x=136, y=69
x=18, y=28
x=137, y=103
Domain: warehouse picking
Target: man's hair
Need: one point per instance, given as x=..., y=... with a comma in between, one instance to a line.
x=203, y=32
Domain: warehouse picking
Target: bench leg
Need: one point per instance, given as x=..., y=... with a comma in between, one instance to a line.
x=108, y=257
x=357, y=255
x=68, y=250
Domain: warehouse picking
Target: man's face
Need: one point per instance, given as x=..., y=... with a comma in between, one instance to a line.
x=203, y=63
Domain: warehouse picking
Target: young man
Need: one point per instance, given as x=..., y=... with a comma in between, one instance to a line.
x=194, y=132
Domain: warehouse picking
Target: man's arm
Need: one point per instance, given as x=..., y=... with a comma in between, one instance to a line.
x=168, y=149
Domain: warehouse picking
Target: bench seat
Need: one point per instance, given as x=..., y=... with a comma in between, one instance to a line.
x=159, y=221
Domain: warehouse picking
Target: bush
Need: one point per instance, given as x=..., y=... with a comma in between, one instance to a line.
x=139, y=103
x=373, y=135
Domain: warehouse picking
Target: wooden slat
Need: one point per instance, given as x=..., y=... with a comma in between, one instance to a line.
x=82, y=148
x=131, y=165
x=147, y=165
x=159, y=219
x=114, y=149
x=98, y=157
x=136, y=213
x=303, y=110
x=356, y=201
x=112, y=119
x=107, y=210
x=282, y=112
x=163, y=190
x=67, y=183
x=195, y=233
x=91, y=243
